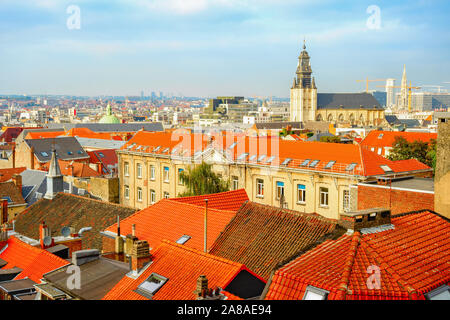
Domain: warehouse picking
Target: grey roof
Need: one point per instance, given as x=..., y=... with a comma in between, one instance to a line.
x=317, y=136
x=100, y=143
x=111, y=127
x=347, y=101
x=36, y=181
x=67, y=148
x=409, y=123
x=412, y=183
x=99, y=277
x=17, y=285
x=392, y=120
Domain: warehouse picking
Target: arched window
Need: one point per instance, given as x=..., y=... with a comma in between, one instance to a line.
x=319, y=117
x=341, y=118
x=330, y=118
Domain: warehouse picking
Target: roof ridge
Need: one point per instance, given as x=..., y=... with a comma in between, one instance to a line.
x=172, y=200
x=95, y=200
x=348, y=266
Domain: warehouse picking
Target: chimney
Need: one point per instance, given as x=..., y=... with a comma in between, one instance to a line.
x=202, y=287
x=119, y=243
x=99, y=168
x=364, y=219
x=32, y=158
x=14, y=156
x=133, y=230
x=17, y=179
x=140, y=255
x=70, y=167
x=4, y=212
x=44, y=231
x=206, y=227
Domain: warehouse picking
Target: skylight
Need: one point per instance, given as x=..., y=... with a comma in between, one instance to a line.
x=386, y=168
x=270, y=159
x=69, y=153
x=261, y=157
x=157, y=148
x=286, y=161
x=242, y=156
x=351, y=166
x=80, y=152
x=441, y=293
x=313, y=293
x=305, y=163
x=152, y=284
x=166, y=150
x=183, y=239
x=380, y=136
x=232, y=145
x=330, y=164
x=44, y=154
x=101, y=155
x=252, y=157
x=314, y=163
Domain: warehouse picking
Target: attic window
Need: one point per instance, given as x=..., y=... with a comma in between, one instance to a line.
x=330, y=164
x=69, y=153
x=80, y=152
x=101, y=155
x=252, y=157
x=44, y=154
x=359, y=219
x=386, y=168
x=286, y=161
x=305, y=163
x=372, y=216
x=166, y=150
x=183, y=239
x=157, y=148
x=151, y=285
x=351, y=166
x=314, y=163
x=441, y=293
x=270, y=159
x=243, y=156
x=380, y=136
x=313, y=293
x=138, y=148
x=232, y=145
x=261, y=158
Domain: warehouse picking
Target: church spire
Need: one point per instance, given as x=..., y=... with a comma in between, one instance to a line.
x=54, y=178
x=304, y=70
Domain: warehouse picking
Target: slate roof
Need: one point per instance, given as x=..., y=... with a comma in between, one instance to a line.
x=230, y=200
x=111, y=127
x=9, y=189
x=278, y=125
x=67, y=148
x=182, y=266
x=347, y=101
x=413, y=259
x=170, y=220
x=33, y=261
x=67, y=210
x=261, y=236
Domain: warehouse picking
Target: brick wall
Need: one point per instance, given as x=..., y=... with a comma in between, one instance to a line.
x=108, y=244
x=399, y=201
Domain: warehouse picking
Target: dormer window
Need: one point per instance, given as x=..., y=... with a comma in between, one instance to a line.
x=151, y=285
x=313, y=293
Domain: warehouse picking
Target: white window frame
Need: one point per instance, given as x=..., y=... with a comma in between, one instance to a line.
x=260, y=188
x=139, y=170
x=166, y=195
x=179, y=177
x=317, y=292
x=152, y=196
x=278, y=194
x=346, y=200
x=326, y=196
x=126, y=192
x=235, y=183
x=139, y=194
x=302, y=192
x=152, y=173
x=126, y=169
x=166, y=174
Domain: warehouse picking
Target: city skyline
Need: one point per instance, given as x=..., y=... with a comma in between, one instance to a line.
x=209, y=48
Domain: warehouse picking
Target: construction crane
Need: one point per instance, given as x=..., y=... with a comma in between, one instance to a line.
x=410, y=88
x=438, y=87
x=367, y=82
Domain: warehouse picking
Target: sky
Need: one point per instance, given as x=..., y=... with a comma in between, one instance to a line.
x=218, y=47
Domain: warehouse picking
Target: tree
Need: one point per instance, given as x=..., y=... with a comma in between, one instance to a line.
x=424, y=152
x=200, y=180
x=332, y=139
x=285, y=132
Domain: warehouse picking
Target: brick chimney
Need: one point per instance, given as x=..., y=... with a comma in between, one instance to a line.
x=363, y=219
x=17, y=179
x=140, y=255
x=99, y=168
x=130, y=240
x=118, y=243
x=203, y=292
x=4, y=212
x=44, y=231
x=32, y=158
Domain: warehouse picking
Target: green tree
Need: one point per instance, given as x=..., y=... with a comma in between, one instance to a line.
x=200, y=180
x=285, y=132
x=424, y=152
x=334, y=139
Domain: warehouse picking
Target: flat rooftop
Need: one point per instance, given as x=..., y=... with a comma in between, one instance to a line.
x=410, y=183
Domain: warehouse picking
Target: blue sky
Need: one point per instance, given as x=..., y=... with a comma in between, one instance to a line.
x=217, y=47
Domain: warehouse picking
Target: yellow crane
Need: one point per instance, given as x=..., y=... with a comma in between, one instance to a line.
x=410, y=88
x=367, y=82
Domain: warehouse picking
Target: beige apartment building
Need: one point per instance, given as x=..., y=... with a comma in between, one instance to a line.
x=303, y=176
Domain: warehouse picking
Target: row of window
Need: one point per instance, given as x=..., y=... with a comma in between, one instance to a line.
x=152, y=170
x=166, y=195
x=301, y=194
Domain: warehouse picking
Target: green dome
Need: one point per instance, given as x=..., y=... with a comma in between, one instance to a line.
x=109, y=117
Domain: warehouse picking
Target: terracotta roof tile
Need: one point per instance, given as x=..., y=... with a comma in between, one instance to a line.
x=6, y=174
x=230, y=200
x=168, y=219
x=413, y=258
x=9, y=189
x=262, y=236
x=377, y=138
x=182, y=266
x=33, y=261
x=79, y=169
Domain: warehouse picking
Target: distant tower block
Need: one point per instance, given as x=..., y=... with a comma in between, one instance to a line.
x=390, y=98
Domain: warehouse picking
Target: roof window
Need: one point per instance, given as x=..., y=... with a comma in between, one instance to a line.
x=330, y=164
x=183, y=239
x=313, y=293
x=44, y=154
x=286, y=161
x=242, y=156
x=270, y=159
x=441, y=293
x=314, y=163
x=261, y=157
x=351, y=166
x=305, y=163
x=151, y=285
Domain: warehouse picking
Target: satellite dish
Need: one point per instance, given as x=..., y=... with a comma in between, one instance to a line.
x=65, y=231
x=47, y=241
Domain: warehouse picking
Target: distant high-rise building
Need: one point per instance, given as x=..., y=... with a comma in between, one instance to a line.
x=390, y=98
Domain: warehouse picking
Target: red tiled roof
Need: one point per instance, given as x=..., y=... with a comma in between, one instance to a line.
x=413, y=258
x=9, y=189
x=44, y=134
x=182, y=266
x=168, y=219
x=88, y=133
x=33, y=261
x=380, y=139
x=230, y=200
x=12, y=133
x=6, y=174
x=262, y=236
x=107, y=157
x=80, y=169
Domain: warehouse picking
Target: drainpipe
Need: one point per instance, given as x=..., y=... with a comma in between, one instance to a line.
x=206, y=226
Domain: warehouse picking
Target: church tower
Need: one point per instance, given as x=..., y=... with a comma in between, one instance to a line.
x=303, y=91
x=54, y=178
x=403, y=104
